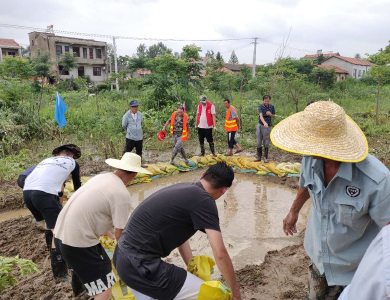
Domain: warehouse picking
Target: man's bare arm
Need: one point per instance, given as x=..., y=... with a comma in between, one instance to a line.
x=290, y=222
x=118, y=233
x=214, y=120
x=223, y=261
x=262, y=120
x=185, y=252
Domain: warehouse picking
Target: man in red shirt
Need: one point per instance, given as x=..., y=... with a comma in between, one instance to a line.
x=205, y=123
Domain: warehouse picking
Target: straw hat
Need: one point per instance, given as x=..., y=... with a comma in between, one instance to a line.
x=129, y=162
x=322, y=129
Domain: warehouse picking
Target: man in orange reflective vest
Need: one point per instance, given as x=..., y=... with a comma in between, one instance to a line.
x=205, y=122
x=179, y=131
x=231, y=127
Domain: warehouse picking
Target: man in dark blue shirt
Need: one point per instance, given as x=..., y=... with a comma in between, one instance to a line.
x=263, y=129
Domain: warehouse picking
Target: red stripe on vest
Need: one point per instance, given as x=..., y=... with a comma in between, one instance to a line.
x=209, y=116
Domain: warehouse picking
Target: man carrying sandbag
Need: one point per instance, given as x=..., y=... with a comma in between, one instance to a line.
x=103, y=202
x=167, y=220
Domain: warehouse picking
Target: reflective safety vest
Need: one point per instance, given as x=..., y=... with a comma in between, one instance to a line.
x=230, y=125
x=185, y=119
x=209, y=116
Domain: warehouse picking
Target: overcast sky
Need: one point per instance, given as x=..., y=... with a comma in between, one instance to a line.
x=345, y=26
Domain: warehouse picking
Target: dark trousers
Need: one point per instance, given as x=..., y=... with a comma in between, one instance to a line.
x=231, y=139
x=131, y=144
x=205, y=133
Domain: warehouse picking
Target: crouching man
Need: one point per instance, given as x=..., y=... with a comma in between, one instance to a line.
x=103, y=202
x=166, y=220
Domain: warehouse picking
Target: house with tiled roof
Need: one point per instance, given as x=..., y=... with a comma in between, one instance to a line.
x=314, y=57
x=9, y=47
x=340, y=73
x=356, y=68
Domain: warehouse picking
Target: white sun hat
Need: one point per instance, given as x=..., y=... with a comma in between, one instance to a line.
x=322, y=129
x=129, y=162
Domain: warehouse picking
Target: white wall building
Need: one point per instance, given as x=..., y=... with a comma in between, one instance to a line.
x=10, y=48
x=356, y=68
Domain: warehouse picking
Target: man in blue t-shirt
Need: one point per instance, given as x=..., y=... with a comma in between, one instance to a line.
x=263, y=129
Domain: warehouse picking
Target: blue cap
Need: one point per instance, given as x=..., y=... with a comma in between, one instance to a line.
x=133, y=103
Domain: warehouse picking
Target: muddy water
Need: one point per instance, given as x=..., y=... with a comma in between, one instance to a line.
x=14, y=214
x=251, y=215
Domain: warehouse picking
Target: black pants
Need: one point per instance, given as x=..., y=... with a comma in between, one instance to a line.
x=205, y=133
x=131, y=144
x=231, y=139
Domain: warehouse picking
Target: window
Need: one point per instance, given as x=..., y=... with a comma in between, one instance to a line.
x=97, y=71
x=66, y=48
x=360, y=73
x=32, y=42
x=354, y=73
x=11, y=54
x=81, y=71
x=85, y=53
x=90, y=53
x=59, y=50
x=98, y=53
x=77, y=51
x=364, y=72
x=62, y=71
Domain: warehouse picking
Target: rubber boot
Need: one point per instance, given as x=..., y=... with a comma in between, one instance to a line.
x=58, y=266
x=265, y=155
x=212, y=149
x=183, y=153
x=77, y=286
x=202, y=150
x=174, y=153
x=48, y=238
x=259, y=154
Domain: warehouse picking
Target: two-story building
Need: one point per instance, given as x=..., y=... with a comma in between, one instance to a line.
x=356, y=68
x=9, y=47
x=91, y=55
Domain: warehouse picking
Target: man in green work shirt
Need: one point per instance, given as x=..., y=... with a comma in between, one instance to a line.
x=349, y=189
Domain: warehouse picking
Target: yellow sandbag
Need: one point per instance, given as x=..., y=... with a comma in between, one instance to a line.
x=195, y=159
x=214, y=290
x=297, y=167
x=107, y=243
x=272, y=168
x=183, y=164
x=158, y=170
x=262, y=173
x=69, y=185
x=201, y=266
x=145, y=179
x=222, y=157
x=235, y=161
x=203, y=160
x=217, y=159
x=287, y=167
x=245, y=161
x=142, y=175
x=151, y=170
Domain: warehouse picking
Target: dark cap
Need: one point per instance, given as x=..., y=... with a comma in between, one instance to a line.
x=75, y=149
x=133, y=103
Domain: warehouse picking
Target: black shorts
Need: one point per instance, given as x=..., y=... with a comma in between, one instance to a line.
x=130, y=145
x=205, y=133
x=91, y=265
x=43, y=206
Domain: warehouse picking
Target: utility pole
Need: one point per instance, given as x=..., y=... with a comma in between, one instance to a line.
x=116, y=63
x=254, y=59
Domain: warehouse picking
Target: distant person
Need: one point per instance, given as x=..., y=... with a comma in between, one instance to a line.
x=231, y=126
x=263, y=129
x=349, y=191
x=180, y=132
x=167, y=220
x=40, y=194
x=205, y=123
x=102, y=203
x=132, y=122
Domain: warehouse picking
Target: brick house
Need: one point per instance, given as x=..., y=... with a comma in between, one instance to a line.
x=9, y=47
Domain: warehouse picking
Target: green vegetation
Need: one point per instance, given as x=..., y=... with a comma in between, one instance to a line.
x=28, y=131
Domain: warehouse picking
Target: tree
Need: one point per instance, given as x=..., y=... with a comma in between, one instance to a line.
x=41, y=65
x=233, y=58
x=25, y=51
x=219, y=57
x=68, y=62
x=123, y=60
x=158, y=49
x=320, y=59
x=141, y=50
x=324, y=77
x=16, y=67
x=358, y=56
x=210, y=53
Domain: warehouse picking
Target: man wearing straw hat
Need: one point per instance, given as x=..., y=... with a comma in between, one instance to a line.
x=102, y=203
x=349, y=189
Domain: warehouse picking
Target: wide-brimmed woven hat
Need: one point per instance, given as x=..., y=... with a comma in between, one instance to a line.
x=129, y=162
x=322, y=129
x=72, y=147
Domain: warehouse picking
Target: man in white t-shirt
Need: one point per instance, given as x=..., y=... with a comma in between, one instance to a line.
x=41, y=195
x=205, y=123
x=102, y=203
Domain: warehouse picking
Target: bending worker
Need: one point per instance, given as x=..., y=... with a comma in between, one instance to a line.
x=41, y=196
x=205, y=123
x=349, y=189
x=103, y=202
x=167, y=220
x=179, y=131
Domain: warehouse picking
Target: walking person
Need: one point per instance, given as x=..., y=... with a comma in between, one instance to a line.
x=41, y=196
x=205, y=123
x=102, y=203
x=231, y=126
x=167, y=220
x=263, y=129
x=180, y=132
x=132, y=122
x=349, y=189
